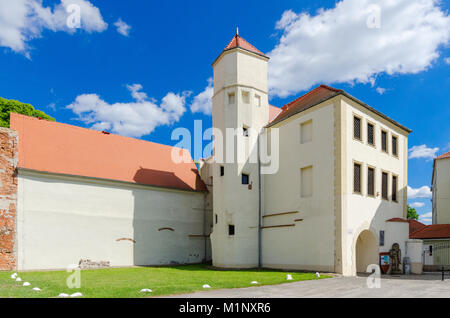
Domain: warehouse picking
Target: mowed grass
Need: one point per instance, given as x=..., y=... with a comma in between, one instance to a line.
x=127, y=282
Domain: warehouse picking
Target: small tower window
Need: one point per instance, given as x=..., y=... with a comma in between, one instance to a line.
x=257, y=100
x=222, y=171
x=245, y=178
x=231, y=98
x=230, y=229
x=246, y=97
x=217, y=218
x=245, y=131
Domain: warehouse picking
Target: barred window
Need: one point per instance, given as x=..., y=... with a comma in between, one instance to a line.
x=394, y=188
x=370, y=138
x=371, y=181
x=384, y=141
x=394, y=146
x=384, y=185
x=357, y=127
x=356, y=178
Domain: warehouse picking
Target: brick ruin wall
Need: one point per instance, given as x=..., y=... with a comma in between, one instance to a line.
x=8, y=197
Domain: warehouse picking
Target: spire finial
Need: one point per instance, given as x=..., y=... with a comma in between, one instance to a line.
x=237, y=30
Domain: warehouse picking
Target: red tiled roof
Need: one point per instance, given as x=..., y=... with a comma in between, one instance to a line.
x=397, y=220
x=237, y=41
x=307, y=100
x=273, y=112
x=434, y=231
x=415, y=225
x=65, y=149
x=445, y=155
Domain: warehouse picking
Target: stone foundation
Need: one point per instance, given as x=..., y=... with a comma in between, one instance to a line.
x=8, y=198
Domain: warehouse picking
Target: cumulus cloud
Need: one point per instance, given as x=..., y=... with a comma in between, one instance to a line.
x=422, y=192
x=381, y=90
x=135, y=119
x=417, y=204
x=426, y=218
x=24, y=20
x=122, y=27
x=447, y=60
x=342, y=44
x=422, y=151
x=202, y=102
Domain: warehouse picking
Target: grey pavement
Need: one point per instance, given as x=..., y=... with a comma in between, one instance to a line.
x=427, y=285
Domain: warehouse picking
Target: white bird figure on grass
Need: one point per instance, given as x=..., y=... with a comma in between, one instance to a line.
x=254, y=282
x=146, y=290
x=14, y=276
x=288, y=277
x=78, y=294
x=63, y=295
x=26, y=284
x=206, y=286
x=36, y=289
x=317, y=274
x=18, y=279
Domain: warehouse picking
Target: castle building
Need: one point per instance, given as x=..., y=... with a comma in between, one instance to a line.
x=319, y=184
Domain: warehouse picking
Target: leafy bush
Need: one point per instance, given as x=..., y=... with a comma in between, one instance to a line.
x=8, y=106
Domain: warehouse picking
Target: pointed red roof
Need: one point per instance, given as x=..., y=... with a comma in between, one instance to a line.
x=237, y=41
x=445, y=155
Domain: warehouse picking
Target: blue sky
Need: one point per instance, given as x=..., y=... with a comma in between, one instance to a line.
x=160, y=59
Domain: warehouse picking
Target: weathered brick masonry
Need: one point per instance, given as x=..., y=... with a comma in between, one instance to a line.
x=8, y=197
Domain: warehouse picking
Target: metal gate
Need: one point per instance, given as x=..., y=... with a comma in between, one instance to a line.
x=436, y=256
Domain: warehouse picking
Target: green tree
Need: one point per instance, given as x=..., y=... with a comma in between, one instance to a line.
x=8, y=106
x=412, y=213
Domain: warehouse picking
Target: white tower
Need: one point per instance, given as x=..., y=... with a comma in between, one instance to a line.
x=239, y=102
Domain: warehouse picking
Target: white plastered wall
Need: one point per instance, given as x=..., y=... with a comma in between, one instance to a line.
x=63, y=219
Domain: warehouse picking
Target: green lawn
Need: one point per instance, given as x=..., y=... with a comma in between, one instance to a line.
x=127, y=282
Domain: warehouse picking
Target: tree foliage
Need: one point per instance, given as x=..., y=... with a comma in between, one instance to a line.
x=13, y=106
x=412, y=213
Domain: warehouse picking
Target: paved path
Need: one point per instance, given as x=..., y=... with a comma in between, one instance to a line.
x=429, y=285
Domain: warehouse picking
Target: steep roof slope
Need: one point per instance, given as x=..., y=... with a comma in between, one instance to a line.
x=71, y=150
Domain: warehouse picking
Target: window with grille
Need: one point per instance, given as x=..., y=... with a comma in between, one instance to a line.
x=394, y=146
x=370, y=136
x=384, y=185
x=356, y=178
x=394, y=188
x=357, y=127
x=384, y=141
x=371, y=181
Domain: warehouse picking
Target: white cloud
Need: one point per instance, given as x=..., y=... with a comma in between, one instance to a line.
x=336, y=45
x=381, y=90
x=202, y=102
x=422, y=192
x=134, y=119
x=447, y=60
x=122, y=27
x=24, y=20
x=426, y=218
x=417, y=204
x=422, y=151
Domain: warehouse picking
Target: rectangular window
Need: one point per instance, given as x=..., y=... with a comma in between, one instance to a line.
x=217, y=218
x=381, y=238
x=357, y=127
x=371, y=181
x=245, y=178
x=394, y=146
x=231, y=98
x=245, y=131
x=394, y=188
x=230, y=229
x=306, y=132
x=222, y=171
x=257, y=100
x=384, y=185
x=384, y=141
x=370, y=135
x=356, y=178
x=306, y=182
x=246, y=97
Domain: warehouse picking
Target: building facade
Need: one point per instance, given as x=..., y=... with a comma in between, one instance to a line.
x=440, y=186
x=338, y=197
